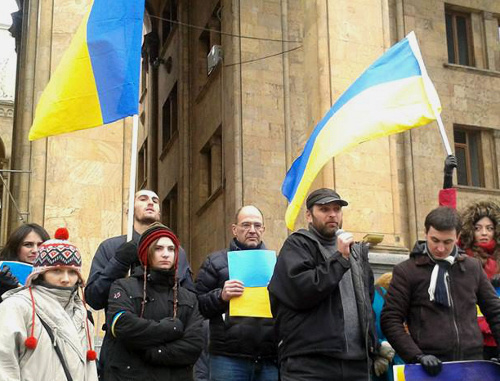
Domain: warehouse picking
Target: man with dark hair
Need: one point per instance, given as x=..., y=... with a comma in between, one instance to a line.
x=321, y=294
x=241, y=348
x=115, y=257
x=435, y=293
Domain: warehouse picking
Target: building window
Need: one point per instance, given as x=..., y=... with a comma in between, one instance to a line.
x=211, y=166
x=169, y=118
x=170, y=210
x=459, y=38
x=168, y=15
x=142, y=166
x=469, y=156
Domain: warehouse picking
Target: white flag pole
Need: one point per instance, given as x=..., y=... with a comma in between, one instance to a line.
x=442, y=131
x=133, y=172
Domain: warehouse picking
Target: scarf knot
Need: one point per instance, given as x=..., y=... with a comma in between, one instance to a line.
x=439, y=292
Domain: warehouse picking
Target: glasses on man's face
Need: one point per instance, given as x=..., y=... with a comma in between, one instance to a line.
x=248, y=225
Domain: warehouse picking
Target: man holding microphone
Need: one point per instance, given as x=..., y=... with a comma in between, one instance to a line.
x=321, y=293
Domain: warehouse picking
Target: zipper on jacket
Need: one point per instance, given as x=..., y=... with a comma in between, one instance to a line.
x=456, y=356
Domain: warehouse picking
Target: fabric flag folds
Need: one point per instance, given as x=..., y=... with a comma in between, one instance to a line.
x=97, y=80
x=393, y=95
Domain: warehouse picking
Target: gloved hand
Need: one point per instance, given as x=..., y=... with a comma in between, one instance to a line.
x=127, y=253
x=380, y=365
x=495, y=280
x=450, y=163
x=172, y=328
x=386, y=351
x=7, y=280
x=432, y=365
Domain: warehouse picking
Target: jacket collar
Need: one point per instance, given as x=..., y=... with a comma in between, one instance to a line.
x=235, y=245
x=421, y=258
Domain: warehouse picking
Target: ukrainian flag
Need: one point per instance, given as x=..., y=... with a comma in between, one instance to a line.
x=393, y=95
x=97, y=80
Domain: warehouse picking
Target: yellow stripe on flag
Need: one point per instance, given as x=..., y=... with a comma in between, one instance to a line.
x=253, y=303
x=70, y=101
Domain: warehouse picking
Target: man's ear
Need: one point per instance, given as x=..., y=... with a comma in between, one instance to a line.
x=233, y=229
x=308, y=216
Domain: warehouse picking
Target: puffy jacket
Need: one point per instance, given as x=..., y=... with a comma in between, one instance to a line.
x=17, y=363
x=449, y=333
x=106, y=269
x=155, y=346
x=231, y=336
x=306, y=300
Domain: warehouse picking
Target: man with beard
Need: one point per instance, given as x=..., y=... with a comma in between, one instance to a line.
x=115, y=257
x=321, y=293
x=241, y=348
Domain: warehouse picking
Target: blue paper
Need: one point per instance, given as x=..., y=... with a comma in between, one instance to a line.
x=252, y=267
x=20, y=270
x=452, y=371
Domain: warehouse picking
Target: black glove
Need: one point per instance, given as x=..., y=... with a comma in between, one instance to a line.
x=495, y=280
x=7, y=280
x=172, y=329
x=450, y=163
x=431, y=364
x=127, y=253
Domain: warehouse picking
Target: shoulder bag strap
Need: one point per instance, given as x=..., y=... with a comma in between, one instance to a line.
x=57, y=349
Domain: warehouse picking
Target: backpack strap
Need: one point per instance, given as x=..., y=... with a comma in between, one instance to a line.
x=57, y=349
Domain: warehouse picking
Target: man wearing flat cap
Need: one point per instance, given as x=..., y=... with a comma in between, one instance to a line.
x=321, y=293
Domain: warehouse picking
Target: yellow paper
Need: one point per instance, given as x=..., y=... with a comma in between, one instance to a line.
x=253, y=303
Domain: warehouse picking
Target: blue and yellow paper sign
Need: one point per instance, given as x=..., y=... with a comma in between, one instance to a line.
x=452, y=371
x=254, y=268
x=20, y=270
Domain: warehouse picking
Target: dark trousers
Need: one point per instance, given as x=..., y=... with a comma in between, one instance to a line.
x=319, y=367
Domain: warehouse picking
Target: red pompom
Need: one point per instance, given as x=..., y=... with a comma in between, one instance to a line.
x=30, y=342
x=61, y=233
x=91, y=355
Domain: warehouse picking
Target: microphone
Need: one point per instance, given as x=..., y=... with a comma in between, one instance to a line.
x=340, y=232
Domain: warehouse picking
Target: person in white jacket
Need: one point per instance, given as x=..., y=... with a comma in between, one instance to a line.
x=45, y=333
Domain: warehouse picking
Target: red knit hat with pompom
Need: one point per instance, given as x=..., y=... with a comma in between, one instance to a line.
x=52, y=254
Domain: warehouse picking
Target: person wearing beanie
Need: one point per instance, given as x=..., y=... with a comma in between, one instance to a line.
x=45, y=333
x=154, y=327
x=480, y=238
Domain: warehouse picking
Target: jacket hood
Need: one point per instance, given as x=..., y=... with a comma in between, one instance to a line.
x=474, y=213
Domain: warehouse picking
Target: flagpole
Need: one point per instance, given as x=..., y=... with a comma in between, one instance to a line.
x=442, y=131
x=133, y=171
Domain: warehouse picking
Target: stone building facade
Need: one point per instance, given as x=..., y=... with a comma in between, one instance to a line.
x=215, y=138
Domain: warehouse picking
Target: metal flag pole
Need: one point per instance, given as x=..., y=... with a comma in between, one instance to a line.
x=133, y=172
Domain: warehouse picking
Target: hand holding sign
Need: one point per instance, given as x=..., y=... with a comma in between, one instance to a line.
x=232, y=288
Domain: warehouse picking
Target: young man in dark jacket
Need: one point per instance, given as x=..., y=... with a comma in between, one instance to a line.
x=241, y=348
x=435, y=293
x=321, y=294
x=115, y=257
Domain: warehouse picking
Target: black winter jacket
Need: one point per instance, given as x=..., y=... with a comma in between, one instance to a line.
x=306, y=300
x=106, y=269
x=231, y=336
x=156, y=346
x=449, y=333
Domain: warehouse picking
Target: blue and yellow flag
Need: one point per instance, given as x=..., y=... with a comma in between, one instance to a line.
x=393, y=95
x=97, y=80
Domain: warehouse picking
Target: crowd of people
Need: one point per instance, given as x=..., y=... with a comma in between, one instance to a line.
x=331, y=319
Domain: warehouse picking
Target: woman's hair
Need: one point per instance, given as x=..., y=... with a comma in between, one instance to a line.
x=384, y=280
x=472, y=214
x=16, y=239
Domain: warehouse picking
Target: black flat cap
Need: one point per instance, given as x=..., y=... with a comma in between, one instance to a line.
x=324, y=196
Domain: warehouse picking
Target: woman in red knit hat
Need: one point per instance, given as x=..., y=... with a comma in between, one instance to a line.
x=154, y=327
x=45, y=331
